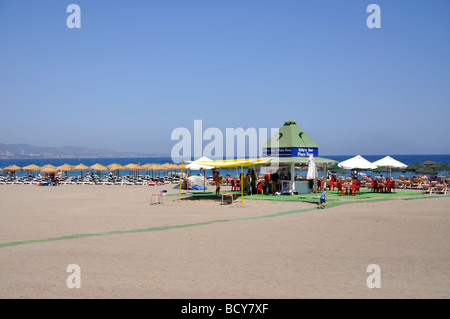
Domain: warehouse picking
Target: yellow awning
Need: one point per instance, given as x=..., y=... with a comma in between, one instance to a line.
x=234, y=162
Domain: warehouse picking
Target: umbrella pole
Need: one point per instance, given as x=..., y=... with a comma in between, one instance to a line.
x=181, y=180
x=242, y=184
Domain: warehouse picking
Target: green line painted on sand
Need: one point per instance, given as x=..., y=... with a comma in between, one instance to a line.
x=150, y=229
x=426, y=197
x=161, y=228
x=114, y=232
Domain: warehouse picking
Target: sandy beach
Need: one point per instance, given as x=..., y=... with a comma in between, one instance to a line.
x=202, y=249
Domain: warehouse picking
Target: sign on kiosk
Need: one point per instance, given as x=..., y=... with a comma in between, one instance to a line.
x=291, y=152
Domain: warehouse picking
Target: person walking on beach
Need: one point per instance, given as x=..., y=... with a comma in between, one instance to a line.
x=254, y=180
x=323, y=198
x=274, y=178
x=217, y=181
x=248, y=181
x=248, y=184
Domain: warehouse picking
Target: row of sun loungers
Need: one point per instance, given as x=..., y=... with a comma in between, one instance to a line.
x=427, y=188
x=418, y=184
x=438, y=189
x=407, y=184
x=71, y=180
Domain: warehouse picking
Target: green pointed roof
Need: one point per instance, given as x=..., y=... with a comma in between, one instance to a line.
x=290, y=135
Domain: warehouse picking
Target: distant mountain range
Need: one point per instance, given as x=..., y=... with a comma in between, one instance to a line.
x=31, y=151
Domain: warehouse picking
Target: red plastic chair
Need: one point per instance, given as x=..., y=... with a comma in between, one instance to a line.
x=353, y=188
x=319, y=184
x=380, y=187
x=259, y=188
x=339, y=188
x=392, y=186
x=387, y=186
x=234, y=185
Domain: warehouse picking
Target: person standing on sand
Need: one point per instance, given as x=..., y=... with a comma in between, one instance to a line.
x=217, y=182
x=248, y=181
x=323, y=198
x=267, y=183
x=254, y=180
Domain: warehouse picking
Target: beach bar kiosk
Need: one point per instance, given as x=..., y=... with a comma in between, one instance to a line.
x=291, y=147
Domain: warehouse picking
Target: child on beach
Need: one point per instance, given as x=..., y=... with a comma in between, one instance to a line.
x=323, y=198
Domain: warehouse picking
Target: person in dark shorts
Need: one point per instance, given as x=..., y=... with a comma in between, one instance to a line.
x=323, y=198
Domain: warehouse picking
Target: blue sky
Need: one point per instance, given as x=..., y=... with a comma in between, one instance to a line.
x=136, y=70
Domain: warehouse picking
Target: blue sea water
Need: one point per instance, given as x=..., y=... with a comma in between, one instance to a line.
x=406, y=159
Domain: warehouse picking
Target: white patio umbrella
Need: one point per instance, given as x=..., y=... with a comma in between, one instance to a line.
x=389, y=162
x=357, y=162
x=193, y=166
x=312, y=170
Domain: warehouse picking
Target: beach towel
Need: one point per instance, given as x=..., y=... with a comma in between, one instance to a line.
x=198, y=187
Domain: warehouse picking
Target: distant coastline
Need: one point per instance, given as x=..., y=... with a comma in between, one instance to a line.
x=27, y=151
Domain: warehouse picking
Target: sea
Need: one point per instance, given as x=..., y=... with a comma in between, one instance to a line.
x=406, y=159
